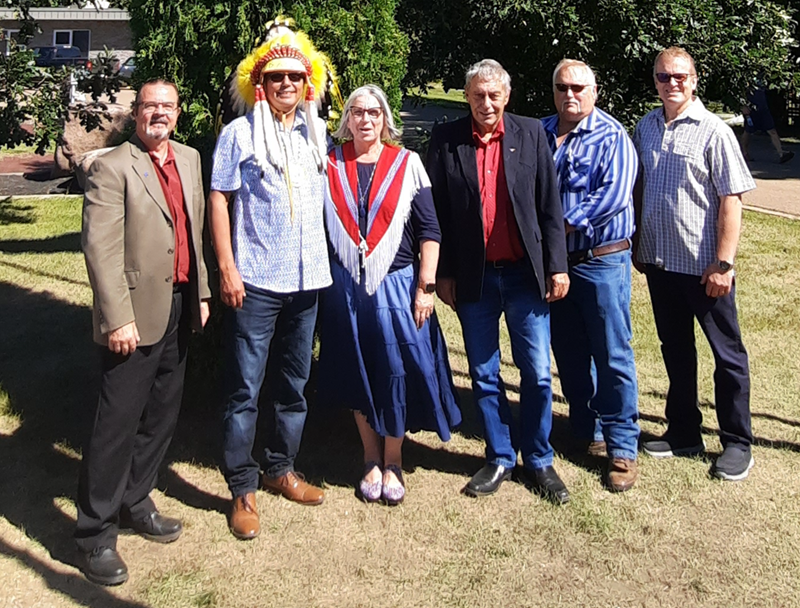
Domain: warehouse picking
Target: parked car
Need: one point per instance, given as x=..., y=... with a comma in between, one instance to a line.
x=126, y=69
x=55, y=56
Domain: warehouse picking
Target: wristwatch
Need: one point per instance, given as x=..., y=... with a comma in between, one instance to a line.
x=724, y=266
x=428, y=287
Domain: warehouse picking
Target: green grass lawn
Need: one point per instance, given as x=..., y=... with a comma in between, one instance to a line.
x=678, y=539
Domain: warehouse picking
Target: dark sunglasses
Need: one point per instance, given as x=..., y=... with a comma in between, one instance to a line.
x=664, y=77
x=576, y=88
x=277, y=77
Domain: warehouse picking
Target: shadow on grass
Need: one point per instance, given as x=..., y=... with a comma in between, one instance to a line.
x=14, y=213
x=69, y=242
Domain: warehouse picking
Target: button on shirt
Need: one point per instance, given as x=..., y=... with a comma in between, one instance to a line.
x=273, y=251
x=687, y=166
x=597, y=167
x=500, y=230
x=173, y=192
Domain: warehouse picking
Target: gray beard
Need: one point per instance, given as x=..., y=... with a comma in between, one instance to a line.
x=158, y=135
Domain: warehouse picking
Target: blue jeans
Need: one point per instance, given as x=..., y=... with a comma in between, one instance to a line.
x=592, y=345
x=511, y=290
x=287, y=319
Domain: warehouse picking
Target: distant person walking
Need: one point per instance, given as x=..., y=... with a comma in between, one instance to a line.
x=757, y=117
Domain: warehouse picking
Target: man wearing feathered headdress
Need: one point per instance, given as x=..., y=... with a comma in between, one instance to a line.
x=265, y=207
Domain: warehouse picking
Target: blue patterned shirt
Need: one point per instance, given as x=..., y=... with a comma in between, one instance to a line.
x=272, y=250
x=596, y=166
x=687, y=166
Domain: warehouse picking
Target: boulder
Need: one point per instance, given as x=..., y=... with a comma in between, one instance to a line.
x=77, y=141
x=84, y=162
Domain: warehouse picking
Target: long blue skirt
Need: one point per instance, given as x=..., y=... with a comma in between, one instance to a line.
x=373, y=358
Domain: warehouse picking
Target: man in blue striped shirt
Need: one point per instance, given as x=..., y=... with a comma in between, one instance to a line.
x=596, y=165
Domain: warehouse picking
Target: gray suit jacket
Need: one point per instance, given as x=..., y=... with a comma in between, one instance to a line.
x=128, y=240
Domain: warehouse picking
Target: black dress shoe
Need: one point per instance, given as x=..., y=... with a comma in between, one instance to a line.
x=156, y=527
x=546, y=483
x=487, y=481
x=103, y=566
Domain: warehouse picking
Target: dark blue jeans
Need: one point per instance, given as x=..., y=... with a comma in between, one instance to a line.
x=266, y=317
x=512, y=291
x=679, y=299
x=591, y=339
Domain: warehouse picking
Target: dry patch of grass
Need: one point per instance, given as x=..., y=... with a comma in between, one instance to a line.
x=678, y=539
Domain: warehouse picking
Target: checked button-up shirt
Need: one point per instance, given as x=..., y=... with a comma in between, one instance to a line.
x=687, y=166
x=596, y=166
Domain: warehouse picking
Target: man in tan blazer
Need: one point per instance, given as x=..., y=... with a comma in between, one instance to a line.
x=142, y=238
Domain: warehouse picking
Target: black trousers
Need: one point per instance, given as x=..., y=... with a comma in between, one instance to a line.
x=140, y=398
x=677, y=300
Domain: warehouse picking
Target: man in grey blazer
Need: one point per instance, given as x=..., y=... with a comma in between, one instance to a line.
x=142, y=238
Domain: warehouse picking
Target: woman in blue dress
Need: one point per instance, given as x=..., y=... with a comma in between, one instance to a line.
x=382, y=352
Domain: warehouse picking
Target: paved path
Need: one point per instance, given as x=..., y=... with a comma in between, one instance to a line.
x=778, y=185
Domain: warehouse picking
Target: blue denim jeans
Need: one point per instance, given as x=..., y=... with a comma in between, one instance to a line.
x=266, y=317
x=512, y=291
x=591, y=330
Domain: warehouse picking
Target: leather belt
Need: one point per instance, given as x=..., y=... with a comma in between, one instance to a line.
x=579, y=257
x=503, y=263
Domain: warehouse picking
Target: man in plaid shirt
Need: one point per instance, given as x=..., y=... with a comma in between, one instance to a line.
x=688, y=224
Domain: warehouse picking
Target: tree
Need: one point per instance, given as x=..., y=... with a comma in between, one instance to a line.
x=733, y=42
x=196, y=44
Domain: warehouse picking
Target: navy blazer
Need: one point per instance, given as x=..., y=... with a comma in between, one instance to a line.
x=532, y=185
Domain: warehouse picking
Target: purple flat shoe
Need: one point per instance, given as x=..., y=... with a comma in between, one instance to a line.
x=394, y=496
x=369, y=492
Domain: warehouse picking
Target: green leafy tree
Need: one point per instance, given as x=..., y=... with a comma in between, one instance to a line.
x=196, y=44
x=733, y=42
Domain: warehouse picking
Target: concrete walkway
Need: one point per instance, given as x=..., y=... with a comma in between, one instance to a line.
x=778, y=186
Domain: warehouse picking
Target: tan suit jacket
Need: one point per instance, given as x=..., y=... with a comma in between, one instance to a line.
x=128, y=240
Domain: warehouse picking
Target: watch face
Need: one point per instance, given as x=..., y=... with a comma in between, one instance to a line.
x=724, y=266
x=430, y=287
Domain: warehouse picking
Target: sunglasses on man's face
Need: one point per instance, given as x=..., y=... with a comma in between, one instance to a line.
x=664, y=77
x=575, y=88
x=277, y=77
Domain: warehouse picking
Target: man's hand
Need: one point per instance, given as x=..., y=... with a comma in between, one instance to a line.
x=446, y=290
x=423, y=307
x=205, y=312
x=231, y=287
x=718, y=283
x=568, y=228
x=557, y=286
x=123, y=340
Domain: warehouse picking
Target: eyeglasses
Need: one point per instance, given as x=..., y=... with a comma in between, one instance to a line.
x=373, y=113
x=277, y=77
x=149, y=107
x=664, y=77
x=575, y=88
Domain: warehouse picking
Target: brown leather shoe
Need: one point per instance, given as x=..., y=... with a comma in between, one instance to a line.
x=244, y=517
x=597, y=449
x=622, y=474
x=294, y=487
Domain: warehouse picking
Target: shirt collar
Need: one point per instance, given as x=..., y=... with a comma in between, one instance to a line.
x=695, y=111
x=170, y=158
x=499, y=132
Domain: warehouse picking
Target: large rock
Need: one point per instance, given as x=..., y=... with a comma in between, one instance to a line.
x=84, y=162
x=77, y=141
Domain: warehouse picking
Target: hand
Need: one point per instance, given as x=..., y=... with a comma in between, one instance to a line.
x=231, y=287
x=423, y=307
x=639, y=266
x=568, y=228
x=123, y=340
x=557, y=286
x=205, y=312
x=446, y=290
x=718, y=283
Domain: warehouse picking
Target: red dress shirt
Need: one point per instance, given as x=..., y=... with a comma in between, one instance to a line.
x=500, y=230
x=173, y=191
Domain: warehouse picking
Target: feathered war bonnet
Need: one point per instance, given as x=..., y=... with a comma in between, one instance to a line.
x=285, y=50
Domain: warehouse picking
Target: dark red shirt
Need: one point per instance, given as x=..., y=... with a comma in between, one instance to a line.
x=173, y=191
x=500, y=230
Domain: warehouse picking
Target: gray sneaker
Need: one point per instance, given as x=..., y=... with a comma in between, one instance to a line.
x=664, y=448
x=734, y=464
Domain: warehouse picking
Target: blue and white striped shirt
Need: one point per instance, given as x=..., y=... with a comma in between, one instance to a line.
x=596, y=166
x=687, y=165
